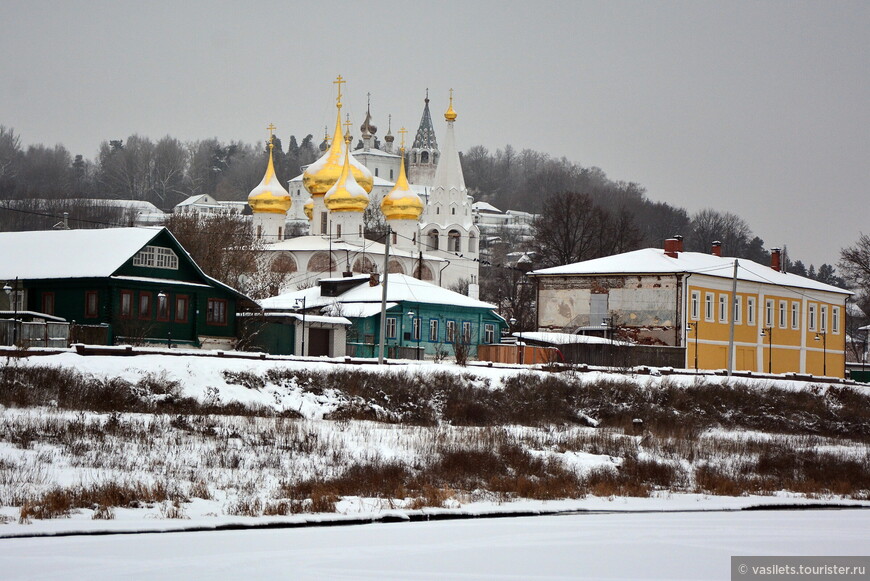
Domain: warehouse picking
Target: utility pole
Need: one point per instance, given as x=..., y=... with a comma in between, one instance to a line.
x=731, y=318
x=384, y=300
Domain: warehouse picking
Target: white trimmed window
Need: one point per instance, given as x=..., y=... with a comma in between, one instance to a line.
x=451, y=331
x=738, y=310
x=782, y=314
x=417, y=323
x=750, y=310
x=811, y=314
x=489, y=333
x=708, y=306
x=391, y=327
x=156, y=257
x=835, y=319
x=466, y=331
x=823, y=318
x=433, y=330
x=795, y=315
x=723, y=308
x=696, y=305
x=768, y=313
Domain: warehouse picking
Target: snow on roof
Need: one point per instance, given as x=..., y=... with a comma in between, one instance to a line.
x=400, y=288
x=47, y=254
x=330, y=320
x=357, y=310
x=375, y=152
x=485, y=207
x=655, y=261
x=563, y=338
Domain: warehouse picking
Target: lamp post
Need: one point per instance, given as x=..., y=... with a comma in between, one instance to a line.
x=768, y=332
x=12, y=294
x=823, y=336
x=300, y=303
x=693, y=327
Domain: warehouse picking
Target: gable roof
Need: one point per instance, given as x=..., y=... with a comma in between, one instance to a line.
x=400, y=287
x=99, y=253
x=655, y=261
x=47, y=254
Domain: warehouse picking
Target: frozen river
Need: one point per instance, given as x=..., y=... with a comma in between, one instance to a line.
x=636, y=546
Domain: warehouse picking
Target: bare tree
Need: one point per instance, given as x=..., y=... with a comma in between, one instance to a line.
x=224, y=246
x=167, y=172
x=855, y=264
x=569, y=229
x=709, y=225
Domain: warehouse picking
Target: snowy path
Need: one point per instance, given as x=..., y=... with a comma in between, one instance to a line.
x=672, y=546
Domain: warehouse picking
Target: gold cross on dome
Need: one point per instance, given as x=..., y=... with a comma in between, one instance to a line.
x=402, y=132
x=339, y=82
x=271, y=129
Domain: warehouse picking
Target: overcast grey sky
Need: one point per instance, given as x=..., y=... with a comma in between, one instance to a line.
x=759, y=108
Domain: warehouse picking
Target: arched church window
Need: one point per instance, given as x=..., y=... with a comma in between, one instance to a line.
x=453, y=238
x=433, y=239
x=395, y=267
x=472, y=243
x=424, y=157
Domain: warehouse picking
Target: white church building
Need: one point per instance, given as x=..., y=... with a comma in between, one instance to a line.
x=432, y=232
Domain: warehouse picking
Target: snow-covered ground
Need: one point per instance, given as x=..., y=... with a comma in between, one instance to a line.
x=237, y=463
x=626, y=546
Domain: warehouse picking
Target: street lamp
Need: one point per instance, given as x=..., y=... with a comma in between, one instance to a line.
x=693, y=327
x=415, y=329
x=823, y=336
x=768, y=332
x=300, y=303
x=12, y=295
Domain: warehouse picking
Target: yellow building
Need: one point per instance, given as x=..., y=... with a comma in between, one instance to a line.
x=781, y=322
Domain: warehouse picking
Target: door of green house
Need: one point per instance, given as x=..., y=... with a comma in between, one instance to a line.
x=318, y=340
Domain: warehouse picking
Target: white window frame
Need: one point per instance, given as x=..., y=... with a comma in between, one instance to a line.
x=466, y=332
x=708, y=307
x=823, y=318
x=450, y=331
x=750, y=310
x=835, y=320
x=156, y=257
x=391, y=327
x=418, y=323
x=768, y=313
x=489, y=333
x=795, y=315
x=723, y=308
x=433, y=330
x=811, y=316
x=695, y=305
x=783, y=314
x=738, y=310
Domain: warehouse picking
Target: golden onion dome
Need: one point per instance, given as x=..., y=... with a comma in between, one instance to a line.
x=346, y=195
x=308, y=208
x=450, y=115
x=324, y=173
x=402, y=203
x=270, y=196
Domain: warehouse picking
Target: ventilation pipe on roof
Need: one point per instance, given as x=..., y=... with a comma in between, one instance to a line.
x=775, y=259
x=717, y=248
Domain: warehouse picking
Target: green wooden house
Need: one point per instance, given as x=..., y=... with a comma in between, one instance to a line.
x=422, y=320
x=138, y=282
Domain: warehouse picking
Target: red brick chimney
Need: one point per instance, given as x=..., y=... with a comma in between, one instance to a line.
x=673, y=246
x=717, y=248
x=775, y=258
